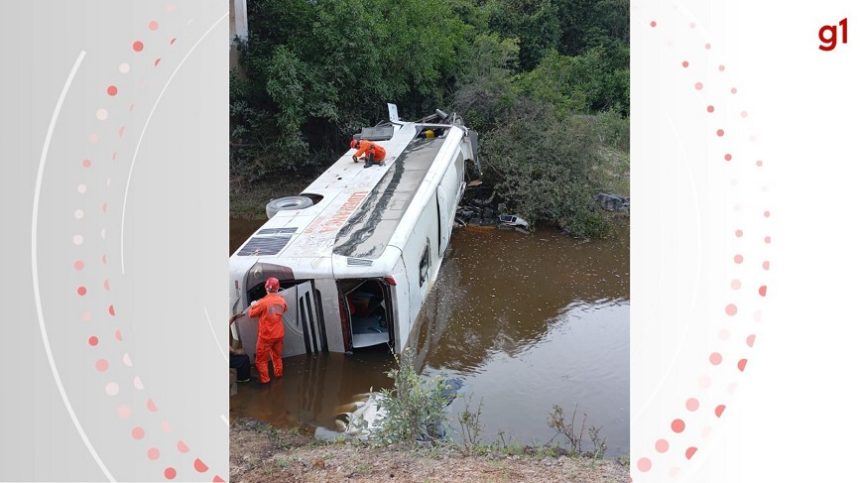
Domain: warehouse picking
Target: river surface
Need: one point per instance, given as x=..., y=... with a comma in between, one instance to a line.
x=524, y=321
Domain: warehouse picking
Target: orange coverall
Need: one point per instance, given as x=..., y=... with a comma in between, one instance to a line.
x=270, y=334
x=365, y=146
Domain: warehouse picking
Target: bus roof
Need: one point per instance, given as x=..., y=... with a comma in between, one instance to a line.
x=359, y=211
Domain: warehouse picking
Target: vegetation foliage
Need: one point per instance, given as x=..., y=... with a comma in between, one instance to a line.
x=414, y=407
x=576, y=435
x=545, y=82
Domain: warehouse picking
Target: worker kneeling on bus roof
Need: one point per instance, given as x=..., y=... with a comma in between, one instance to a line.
x=374, y=153
x=270, y=330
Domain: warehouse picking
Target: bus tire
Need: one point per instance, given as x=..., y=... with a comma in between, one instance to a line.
x=287, y=203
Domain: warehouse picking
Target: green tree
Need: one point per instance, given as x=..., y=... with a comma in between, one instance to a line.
x=484, y=93
x=534, y=22
x=545, y=82
x=585, y=24
x=375, y=51
x=591, y=82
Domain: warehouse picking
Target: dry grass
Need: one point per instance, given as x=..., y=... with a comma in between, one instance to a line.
x=260, y=453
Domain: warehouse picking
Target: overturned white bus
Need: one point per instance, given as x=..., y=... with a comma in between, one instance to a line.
x=357, y=252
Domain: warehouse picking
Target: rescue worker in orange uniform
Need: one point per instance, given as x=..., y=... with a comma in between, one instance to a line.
x=374, y=153
x=270, y=330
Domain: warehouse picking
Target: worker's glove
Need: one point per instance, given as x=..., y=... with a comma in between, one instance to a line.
x=354, y=159
x=253, y=303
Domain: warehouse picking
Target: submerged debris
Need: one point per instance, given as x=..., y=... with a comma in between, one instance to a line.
x=362, y=418
x=514, y=221
x=611, y=202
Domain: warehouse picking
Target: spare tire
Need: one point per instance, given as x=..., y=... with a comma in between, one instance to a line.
x=287, y=203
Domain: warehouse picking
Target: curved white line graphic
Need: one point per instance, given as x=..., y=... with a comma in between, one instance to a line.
x=214, y=335
x=35, y=267
x=656, y=389
x=143, y=133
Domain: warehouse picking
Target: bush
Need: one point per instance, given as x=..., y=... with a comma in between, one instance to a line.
x=542, y=168
x=576, y=437
x=471, y=426
x=414, y=408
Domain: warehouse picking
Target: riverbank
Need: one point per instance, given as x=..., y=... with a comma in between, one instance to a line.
x=248, y=200
x=262, y=453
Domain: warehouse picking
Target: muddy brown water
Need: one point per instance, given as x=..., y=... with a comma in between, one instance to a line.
x=524, y=321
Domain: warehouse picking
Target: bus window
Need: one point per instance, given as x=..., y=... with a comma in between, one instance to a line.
x=439, y=225
x=424, y=266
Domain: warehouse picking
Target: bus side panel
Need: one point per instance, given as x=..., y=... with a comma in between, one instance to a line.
x=424, y=237
x=402, y=314
x=447, y=197
x=331, y=313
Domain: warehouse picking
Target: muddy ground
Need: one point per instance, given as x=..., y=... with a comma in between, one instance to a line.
x=262, y=453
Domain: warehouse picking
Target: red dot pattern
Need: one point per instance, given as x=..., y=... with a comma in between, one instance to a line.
x=200, y=466
x=716, y=358
x=102, y=364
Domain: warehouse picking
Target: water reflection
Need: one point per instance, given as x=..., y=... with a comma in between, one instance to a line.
x=314, y=389
x=503, y=291
x=532, y=321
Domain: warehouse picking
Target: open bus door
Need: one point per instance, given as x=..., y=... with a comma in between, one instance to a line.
x=304, y=331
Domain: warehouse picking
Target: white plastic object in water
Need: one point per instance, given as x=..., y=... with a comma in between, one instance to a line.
x=287, y=203
x=513, y=220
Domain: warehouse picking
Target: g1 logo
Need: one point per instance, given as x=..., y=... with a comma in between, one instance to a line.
x=829, y=35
